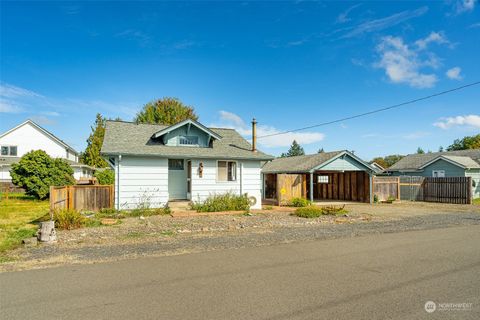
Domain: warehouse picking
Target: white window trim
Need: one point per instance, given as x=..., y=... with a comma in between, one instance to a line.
x=226, y=181
x=8, y=146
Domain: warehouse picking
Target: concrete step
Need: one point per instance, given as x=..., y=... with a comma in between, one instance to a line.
x=179, y=205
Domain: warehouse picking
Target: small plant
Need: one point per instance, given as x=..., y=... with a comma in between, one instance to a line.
x=375, y=198
x=391, y=199
x=300, y=202
x=223, y=202
x=315, y=212
x=68, y=219
x=267, y=208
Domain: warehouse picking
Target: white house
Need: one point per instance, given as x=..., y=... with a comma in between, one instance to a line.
x=29, y=136
x=185, y=161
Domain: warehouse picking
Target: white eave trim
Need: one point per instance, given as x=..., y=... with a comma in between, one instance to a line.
x=187, y=122
x=340, y=155
x=445, y=159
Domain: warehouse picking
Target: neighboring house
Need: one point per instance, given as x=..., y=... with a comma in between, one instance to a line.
x=155, y=164
x=462, y=163
x=337, y=175
x=29, y=136
x=378, y=168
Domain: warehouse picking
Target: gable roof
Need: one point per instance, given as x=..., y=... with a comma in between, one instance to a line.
x=44, y=131
x=187, y=122
x=463, y=162
x=308, y=163
x=415, y=162
x=376, y=166
x=128, y=138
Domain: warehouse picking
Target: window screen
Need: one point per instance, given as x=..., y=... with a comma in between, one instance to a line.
x=4, y=151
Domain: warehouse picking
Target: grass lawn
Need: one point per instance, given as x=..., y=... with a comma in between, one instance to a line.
x=17, y=219
x=476, y=201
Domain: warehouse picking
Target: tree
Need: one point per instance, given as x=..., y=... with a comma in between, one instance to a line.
x=91, y=156
x=320, y=150
x=295, y=150
x=420, y=151
x=387, y=161
x=468, y=142
x=440, y=149
x=105, y=176
x=37, y=171
x=165, y=111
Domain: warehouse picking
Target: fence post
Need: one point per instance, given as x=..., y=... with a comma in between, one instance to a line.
x=111, y=195
x=52, y=201
x=398, y=188
x=69, y=197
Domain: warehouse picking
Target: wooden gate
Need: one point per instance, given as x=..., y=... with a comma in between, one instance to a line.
x=290, y=186
x=82, y=197
x=386, y=187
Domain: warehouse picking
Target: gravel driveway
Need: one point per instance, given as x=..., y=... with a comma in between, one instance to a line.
x=164, y=235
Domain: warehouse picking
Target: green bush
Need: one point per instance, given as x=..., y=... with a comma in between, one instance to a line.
x=375, y=198
x=223, y=202
x=315, y=212
x=68, y=219
x=37, y=171
x=105, y=176
x=299, y=202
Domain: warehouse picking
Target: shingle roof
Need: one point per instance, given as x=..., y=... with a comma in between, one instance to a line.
x=128, y=138
x=299, y=163
x=413, y=162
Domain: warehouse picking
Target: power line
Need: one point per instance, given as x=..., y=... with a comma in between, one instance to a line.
x=374, y=111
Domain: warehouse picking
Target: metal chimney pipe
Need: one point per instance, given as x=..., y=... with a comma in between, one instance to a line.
x=254, y=135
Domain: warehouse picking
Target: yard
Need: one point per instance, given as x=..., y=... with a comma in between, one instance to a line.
x=18, y=215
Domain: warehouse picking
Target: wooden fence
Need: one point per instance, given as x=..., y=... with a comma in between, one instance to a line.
x=82, y=197
x=446, y=190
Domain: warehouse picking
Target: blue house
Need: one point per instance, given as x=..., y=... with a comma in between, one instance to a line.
x=462, y=163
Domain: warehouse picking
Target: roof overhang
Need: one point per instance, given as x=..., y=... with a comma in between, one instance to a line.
x=445, y=159
x=343, y=155
x=189, y=123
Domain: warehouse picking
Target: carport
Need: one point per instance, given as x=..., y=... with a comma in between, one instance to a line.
x=327, y=176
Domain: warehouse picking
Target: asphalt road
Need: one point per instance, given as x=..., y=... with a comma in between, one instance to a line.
x=371, y=277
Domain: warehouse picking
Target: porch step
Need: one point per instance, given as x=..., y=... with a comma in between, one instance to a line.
x=179, y=205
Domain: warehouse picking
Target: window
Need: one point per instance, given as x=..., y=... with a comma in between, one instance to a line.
x=322, y=179
x=175, y=164
x=188, y=140
x=227, y=171
x=438, y=173
x=9, y=150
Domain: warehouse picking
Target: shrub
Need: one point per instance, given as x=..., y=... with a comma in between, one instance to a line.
x=267, y=208
x=105, y=176
x=223, y=202
x=315, y=212
x=68, y=219
x=37, y=171
x=299, y=202
x=375, y=198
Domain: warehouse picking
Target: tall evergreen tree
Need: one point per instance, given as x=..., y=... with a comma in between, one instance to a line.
x=165, y=111
x=320, y=150
x=295, y=150
x=91, y=156
x=420, y=151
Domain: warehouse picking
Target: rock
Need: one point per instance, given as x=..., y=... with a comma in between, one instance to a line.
x=47, y=232
x=30, y=242
x=142, y=218
x=108, y=221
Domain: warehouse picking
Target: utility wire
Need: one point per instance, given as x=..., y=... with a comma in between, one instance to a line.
x=374, y=111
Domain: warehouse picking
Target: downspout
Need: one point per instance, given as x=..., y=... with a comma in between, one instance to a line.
x=311, y=186
x=118, y=181
x=241, y=178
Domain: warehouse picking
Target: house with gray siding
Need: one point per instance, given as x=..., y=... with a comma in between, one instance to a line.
x=183, y=162
x=462, y=163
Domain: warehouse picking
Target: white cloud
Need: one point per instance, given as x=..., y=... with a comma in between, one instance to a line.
x=8, y=107
x=454, y=73
x=403, y=65
x=433, y=37
x=475, y=25
x=462, y=6
x=11, y=91
x=343, y=17
x=233, y=121
x=471, y=120
x=383, y=23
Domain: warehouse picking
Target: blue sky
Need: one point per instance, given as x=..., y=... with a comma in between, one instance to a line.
x=289, y=64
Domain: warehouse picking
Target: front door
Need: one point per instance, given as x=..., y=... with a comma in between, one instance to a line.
x=177, y=176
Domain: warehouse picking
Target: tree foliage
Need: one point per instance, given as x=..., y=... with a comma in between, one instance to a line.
x=37, y=171
x=106, y=176
x=91, y=156
x=165, y=111
x=420, y=150
x=295, y=150
x=387, y=161
x=320, y=150
x=468, y=142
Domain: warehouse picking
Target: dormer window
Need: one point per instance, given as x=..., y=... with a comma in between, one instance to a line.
x=188, y=140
